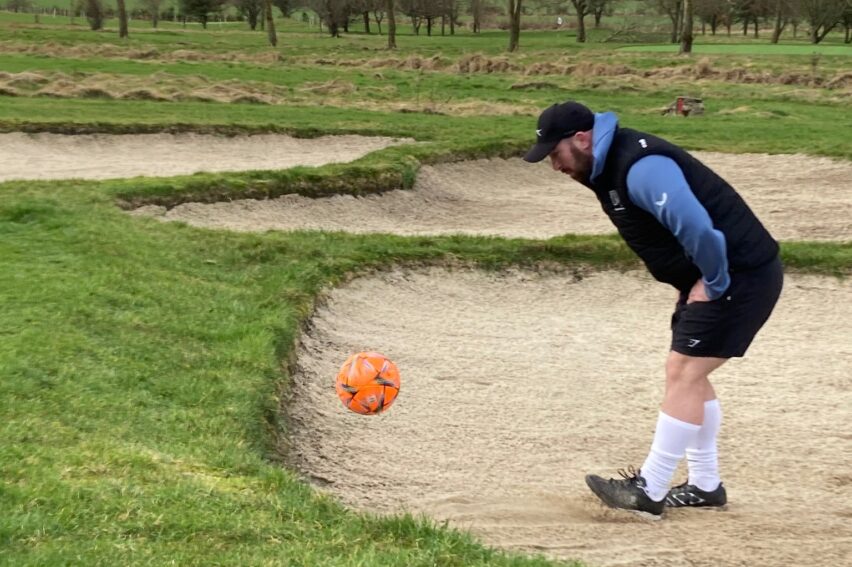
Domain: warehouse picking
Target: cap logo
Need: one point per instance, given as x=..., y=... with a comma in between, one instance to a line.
x=538, y=132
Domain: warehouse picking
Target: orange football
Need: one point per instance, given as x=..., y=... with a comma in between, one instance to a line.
x=368, y=383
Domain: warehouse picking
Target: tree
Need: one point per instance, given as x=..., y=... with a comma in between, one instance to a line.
x=286, y=6
x=514, y=24
x=583, y=8
x=378, y=14
x=686, y=35
x=599, y=8
x=674, y=10
x=710, y=12
x=122, y=19
x=19, y=5
x=391, y=25
x=751, y=11
x=200, y=9
x=421, y=11
x=152, y=8
x=251, y=10
x=334, y=13
x=270, y=23
x=449, y=13
x=823, y=16
x=784, y=13
x=94, y=14
x=476, y=10
x=363, y=9
x=846, y=20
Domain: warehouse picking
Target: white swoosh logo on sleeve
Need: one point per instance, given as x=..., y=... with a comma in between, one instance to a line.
x=662, y=201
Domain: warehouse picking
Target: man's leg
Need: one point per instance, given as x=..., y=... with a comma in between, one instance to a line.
x=679, y=423
x=680, y=419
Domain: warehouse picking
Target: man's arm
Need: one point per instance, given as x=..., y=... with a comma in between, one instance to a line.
x=656, y=184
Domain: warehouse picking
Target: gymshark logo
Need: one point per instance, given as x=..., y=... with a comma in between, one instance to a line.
x=693, y=342
x=662, y=201
x=538, y=132
x=643, y=143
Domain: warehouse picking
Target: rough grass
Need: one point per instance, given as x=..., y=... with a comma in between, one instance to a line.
x=752, y=48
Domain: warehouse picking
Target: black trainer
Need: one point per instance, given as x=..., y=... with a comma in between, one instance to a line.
x=627, y=493
x=690, y=495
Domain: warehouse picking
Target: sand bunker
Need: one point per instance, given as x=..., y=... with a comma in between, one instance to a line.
x=105, y=156
x=516, y=385
x=796, y=196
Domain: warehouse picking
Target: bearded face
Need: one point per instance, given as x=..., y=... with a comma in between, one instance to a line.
x=573, y=157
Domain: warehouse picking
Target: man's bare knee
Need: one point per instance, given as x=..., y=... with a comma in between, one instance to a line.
x=685, y=369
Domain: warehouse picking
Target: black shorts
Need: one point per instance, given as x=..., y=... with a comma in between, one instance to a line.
x=725, y=327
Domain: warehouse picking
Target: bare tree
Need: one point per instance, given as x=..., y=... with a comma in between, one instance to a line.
x=251, y=10
x=363, y=9
x=751, y=12
x=153, y=9
x=19, y=5
x=686, y=35
x=391, y=25
x=122, y=19
x=334, y=13
x=783, y=13
x=846, y=20
x=582, y=8
x=94, y=11
x=414, y=10
x=674, y=10
x=600, y=8
x=710, y=12
x=514, y=24
x=823, y=16
x=450, y=14
x=286, y=6
x=378, y=15
x=270, y=24
x=476, y=10
x=200, y=9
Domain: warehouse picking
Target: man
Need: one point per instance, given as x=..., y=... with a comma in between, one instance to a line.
x=694, y=232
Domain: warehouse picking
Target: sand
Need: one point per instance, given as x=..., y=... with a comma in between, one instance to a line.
x=796, y=197
x=107, y=156
x=515, y=385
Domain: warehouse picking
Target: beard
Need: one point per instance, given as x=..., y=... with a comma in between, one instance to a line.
x=583, y=163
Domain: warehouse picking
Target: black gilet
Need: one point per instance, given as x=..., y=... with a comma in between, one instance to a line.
x=749, y=244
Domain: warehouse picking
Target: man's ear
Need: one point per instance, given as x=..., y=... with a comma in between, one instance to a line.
x=584, y=140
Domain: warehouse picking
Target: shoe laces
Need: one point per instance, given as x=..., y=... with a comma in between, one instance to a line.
x=631, y=475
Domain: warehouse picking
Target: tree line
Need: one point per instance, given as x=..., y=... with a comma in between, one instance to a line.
x=428, y=16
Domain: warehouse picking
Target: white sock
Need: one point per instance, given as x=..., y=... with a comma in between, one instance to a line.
x=701, y=455
x=670, y=441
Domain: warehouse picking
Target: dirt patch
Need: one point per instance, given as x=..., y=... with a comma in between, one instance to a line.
x=103, y=156
x=516, y=385
x=795, y=196
x=333, y=86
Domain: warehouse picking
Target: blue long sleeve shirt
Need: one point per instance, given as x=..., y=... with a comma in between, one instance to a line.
x=657, y=185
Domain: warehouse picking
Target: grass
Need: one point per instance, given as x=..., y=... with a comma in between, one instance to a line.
x=144, y=363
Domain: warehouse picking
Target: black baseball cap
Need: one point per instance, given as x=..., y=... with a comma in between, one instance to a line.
x=556, y=123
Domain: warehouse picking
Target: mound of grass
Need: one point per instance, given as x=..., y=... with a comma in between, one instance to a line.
x=765, y=48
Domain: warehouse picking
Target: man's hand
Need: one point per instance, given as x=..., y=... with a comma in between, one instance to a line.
x=697, y=293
